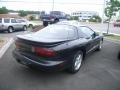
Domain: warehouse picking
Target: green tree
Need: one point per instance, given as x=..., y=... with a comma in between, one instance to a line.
x=22, y=13
x=95, y=18
x=75, y=18
x=31, y=18
x=112, y=6
x=3, y=10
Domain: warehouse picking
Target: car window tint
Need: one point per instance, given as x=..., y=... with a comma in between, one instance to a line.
x=57, y=32
x=6, y=20
x=21, y=21
x=87, y=31
x=0, y=20
x=55, y=13
x=13, y=21
x=80, y=33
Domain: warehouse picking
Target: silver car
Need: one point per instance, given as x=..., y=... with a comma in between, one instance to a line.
x=11, y=24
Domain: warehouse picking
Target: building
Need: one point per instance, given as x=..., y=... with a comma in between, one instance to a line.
x=84, y=15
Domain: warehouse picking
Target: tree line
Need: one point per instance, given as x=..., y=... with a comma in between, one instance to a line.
x=22, y=13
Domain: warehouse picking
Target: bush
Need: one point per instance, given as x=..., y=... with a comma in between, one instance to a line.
x=95, y=19
x=31, y=18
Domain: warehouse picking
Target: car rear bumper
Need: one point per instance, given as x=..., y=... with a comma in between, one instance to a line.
x=46, y=65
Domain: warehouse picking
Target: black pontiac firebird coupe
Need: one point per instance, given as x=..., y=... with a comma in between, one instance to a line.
x=57, y=47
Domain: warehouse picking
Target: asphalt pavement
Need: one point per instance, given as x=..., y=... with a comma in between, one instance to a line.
x=100, y=71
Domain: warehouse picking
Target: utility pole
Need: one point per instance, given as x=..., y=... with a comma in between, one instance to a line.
x=0, y=3
x=103, y=11
x=53, y=5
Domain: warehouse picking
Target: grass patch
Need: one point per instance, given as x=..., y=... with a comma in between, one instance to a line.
x=111, y=36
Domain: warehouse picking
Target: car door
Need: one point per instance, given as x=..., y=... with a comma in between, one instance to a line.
x=93, y=39
x=20, y=24
x=14, y=24
x=88, y=38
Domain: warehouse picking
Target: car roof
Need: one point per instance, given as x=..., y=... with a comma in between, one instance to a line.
x=71, y=23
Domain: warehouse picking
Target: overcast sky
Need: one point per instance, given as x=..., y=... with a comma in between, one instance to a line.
x=67, y=6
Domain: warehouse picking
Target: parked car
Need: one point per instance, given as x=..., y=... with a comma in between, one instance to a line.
x=11, y=24
x=57, y=47
x=116, y=24
x=29, y=23
x=119, y=55
x=53, y=17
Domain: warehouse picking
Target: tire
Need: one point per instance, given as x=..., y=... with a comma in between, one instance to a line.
x=119, y=55
x=56, y=20
x=10, y=29
x=45, y=23
x=76, y=62
x=30, y=26
x=99, y=46
x=24, y=28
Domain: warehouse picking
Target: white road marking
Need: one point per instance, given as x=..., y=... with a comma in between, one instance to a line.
x=5, y=47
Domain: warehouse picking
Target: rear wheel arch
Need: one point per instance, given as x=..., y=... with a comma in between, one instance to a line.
x=30, y=25
x=84, y=51
x=56, y=20
x=11, y=27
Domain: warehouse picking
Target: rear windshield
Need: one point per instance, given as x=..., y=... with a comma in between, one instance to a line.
x=0, y=20
x=57, y=32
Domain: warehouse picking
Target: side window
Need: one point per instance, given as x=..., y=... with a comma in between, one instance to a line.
x=13, y=21
x=6, y=20
x=80, y=33
x=71, y=33
x=87, y=31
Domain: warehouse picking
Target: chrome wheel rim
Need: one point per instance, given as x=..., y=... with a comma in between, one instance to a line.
x=25, y=28
x=10, y=29
x=78, y=62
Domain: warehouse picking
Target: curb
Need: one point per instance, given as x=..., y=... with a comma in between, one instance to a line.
x=5, y=47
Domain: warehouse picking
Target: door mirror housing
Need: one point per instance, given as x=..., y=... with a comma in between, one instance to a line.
x=95, y=34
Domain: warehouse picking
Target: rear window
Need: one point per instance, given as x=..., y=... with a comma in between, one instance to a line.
x=57, y=32
x=6, y=20
x=0, y=20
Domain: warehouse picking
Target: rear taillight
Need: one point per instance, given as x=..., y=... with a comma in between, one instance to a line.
x=44, y=52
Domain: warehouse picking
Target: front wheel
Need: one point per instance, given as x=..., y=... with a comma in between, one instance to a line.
x=99, y=46
x=76, y=62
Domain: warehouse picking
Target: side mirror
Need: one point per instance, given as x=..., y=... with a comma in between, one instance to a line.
x=95, y=34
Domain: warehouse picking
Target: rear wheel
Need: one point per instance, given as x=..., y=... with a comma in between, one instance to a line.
x=45, y=23
x=119, y=55
x=10, y=29
x=24, y=28
x=56, y=20
x=76, y=62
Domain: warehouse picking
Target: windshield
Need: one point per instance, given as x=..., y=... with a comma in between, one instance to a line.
x=56, y=32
